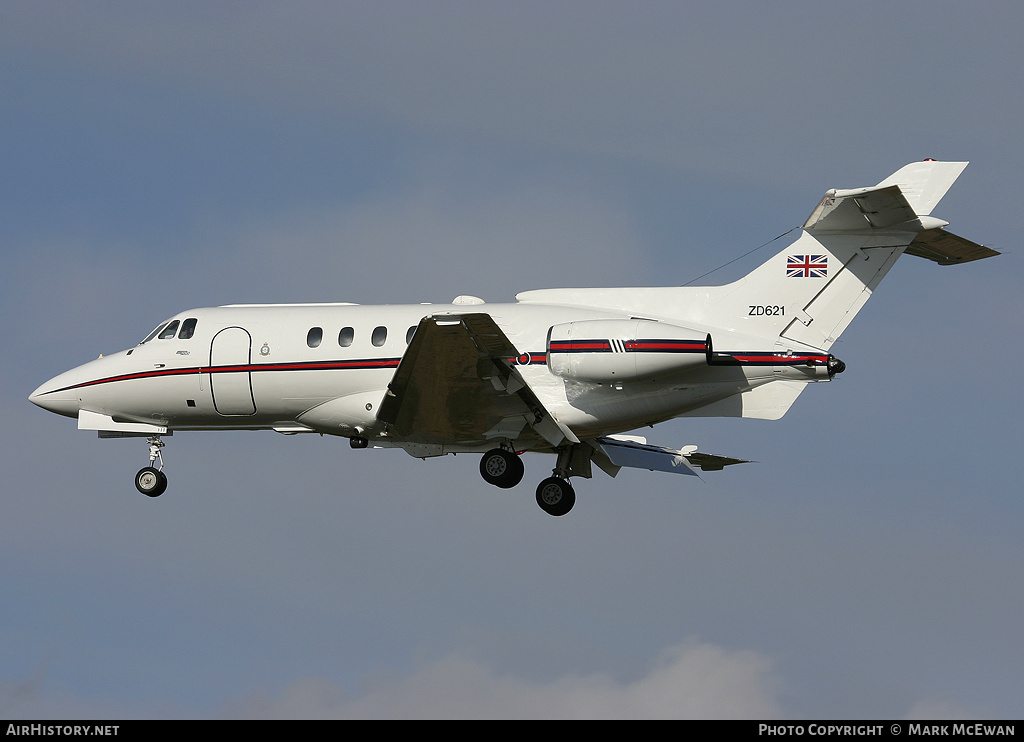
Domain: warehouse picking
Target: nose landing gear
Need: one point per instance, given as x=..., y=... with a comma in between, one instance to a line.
x=151, y=481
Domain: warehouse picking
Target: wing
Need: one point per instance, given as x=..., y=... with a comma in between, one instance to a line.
x=457, y=383
x=637, y=453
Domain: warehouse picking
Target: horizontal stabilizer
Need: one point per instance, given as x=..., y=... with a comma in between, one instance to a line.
x=946, y=248
x=860, y=209
x=901, y=199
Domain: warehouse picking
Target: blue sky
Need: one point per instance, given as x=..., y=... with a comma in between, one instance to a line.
x=163, y=156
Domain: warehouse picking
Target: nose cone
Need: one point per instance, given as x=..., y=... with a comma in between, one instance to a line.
x=58, y=394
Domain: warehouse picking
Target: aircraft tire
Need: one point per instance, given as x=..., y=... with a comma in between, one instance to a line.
x=501, y=468
x=151, y=482
x=555, y=496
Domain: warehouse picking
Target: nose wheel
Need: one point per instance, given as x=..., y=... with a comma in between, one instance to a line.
x=151, y=481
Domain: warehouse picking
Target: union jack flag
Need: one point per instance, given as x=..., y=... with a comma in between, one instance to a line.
x=807, y=266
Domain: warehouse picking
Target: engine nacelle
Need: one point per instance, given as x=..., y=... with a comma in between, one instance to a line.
x=617, y=350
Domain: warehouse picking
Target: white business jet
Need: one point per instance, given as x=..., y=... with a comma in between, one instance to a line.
x=560, y=371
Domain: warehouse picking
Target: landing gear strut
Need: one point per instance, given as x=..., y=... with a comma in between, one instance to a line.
x=151, y=481
x=501, y=468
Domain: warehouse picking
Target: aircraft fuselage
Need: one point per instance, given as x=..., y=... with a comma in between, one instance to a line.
x=273, y=366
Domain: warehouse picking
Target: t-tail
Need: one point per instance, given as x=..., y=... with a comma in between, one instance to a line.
x=810, y=292
x=799, y=301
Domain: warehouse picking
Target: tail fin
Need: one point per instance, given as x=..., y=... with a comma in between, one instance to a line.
x=802, y=298
x=809, y=292
x=923, y=184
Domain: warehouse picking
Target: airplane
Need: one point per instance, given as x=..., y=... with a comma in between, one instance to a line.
x=567, y=372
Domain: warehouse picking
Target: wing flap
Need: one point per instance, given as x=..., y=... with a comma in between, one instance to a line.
x=456, y=384
x=635, y=452
x=710, y=461
x=644, y=456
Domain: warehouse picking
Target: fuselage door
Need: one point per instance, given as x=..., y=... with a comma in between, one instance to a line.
x=230, y=376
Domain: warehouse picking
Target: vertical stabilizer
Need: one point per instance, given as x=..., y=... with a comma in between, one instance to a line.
x=923, y=184
x=799, y=301
x=813, y=289
x=809, y=292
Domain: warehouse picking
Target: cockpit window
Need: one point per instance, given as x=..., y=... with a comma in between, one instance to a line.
x=153, y=334
x=188, y=329
x=168, y=332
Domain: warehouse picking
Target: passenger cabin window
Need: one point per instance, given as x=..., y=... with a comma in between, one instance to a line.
x=345, y=336
x=409, y=333
x=169, y=331
x=188, y=329
x=379, y=336
x=314, y=336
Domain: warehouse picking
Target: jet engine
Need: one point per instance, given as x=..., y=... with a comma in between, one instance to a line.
x=618, y=350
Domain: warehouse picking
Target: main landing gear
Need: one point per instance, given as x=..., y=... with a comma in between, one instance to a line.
x=151, y=481
x=556, y=496
x=503, y=468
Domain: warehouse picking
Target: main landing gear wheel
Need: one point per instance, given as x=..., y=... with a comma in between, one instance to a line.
x=151, y=482
x=501, y=468
x=555, y=496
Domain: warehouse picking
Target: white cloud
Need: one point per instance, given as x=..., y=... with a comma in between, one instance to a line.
x=35, y=699
x=689, y=680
